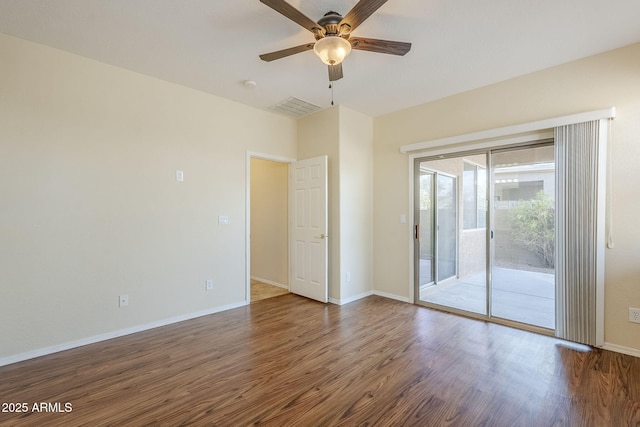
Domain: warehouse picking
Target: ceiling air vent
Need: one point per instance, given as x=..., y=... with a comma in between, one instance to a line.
x=294, y=107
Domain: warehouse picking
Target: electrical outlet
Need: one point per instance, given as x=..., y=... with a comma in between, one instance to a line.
x=634, y=315
x=208, y=285
x=124, y=300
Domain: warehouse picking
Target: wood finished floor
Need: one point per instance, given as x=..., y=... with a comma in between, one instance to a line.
x=291, y=361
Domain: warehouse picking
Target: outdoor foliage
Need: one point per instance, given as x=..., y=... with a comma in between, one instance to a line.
x=533, y=227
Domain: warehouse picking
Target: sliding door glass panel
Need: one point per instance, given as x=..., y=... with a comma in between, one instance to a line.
x=523, y=278
x=424, y=218
x=474, y=196
x=446, y=227
x=458, y=252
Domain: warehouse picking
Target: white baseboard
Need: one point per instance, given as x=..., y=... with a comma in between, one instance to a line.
x=366, y=294
x=350, y=299
x=114, y=334
x=391, y=296
x=621, y=349
x=269, y=282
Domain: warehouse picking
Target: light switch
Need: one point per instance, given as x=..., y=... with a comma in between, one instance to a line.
x=223, y=219
x=179, y=176
x=403, y=219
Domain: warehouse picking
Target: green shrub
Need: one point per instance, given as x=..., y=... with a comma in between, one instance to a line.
x=533, y=227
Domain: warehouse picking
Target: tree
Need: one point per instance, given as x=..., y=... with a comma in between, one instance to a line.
x=533, y=227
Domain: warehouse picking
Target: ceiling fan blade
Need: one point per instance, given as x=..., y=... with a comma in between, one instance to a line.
x=292, y=13
x=380, y=46
x=361, y=11
x=335, y=72
x=272, y=56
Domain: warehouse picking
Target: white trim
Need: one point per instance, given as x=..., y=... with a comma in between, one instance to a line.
x=621, y=349
x=247, y=214
x=114, y=334
x=350, y=299
x=412, y=266
x=273, y=158
x=368, y=294
x=486, y=145
x=269, y=282
x=601, y=236
x=392, y=296
x=513, y=130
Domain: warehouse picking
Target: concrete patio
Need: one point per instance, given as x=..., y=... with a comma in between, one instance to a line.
x=519, y=295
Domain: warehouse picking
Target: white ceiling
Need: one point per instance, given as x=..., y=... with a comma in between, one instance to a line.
x=213, y=45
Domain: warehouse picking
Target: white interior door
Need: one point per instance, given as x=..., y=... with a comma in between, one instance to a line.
x=309, y=233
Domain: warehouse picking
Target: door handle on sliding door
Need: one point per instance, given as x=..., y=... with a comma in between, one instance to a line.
x=417, y=231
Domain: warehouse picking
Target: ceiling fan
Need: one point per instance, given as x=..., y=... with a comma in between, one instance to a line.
x=333, y=35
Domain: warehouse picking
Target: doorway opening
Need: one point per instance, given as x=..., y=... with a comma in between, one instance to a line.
x=485, y=234
x=287, y=225
x=268, y=225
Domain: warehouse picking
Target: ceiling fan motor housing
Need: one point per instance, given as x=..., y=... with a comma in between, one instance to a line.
x=331, y=24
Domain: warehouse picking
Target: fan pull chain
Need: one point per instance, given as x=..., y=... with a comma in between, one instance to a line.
x=331, y=87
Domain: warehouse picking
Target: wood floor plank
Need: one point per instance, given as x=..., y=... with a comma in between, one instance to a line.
x=291, y=361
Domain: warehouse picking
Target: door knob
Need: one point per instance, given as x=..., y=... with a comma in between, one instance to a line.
x=324, y=236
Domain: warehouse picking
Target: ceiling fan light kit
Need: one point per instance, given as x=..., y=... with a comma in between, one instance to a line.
x=332, y=33
x=332, y=49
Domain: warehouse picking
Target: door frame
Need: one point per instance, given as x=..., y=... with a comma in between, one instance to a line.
x=262, y=156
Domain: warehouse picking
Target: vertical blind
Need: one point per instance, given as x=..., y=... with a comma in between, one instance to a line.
x=580, y=201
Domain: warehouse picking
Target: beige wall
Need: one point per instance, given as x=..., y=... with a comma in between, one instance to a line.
x=270, y=221
x=90, y=207
x=346, y=137
x=356, y=203
x=606, y=80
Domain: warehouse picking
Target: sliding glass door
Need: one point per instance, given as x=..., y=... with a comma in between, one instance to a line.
x=487, y=212
x=450, y=264
x=523, y=217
